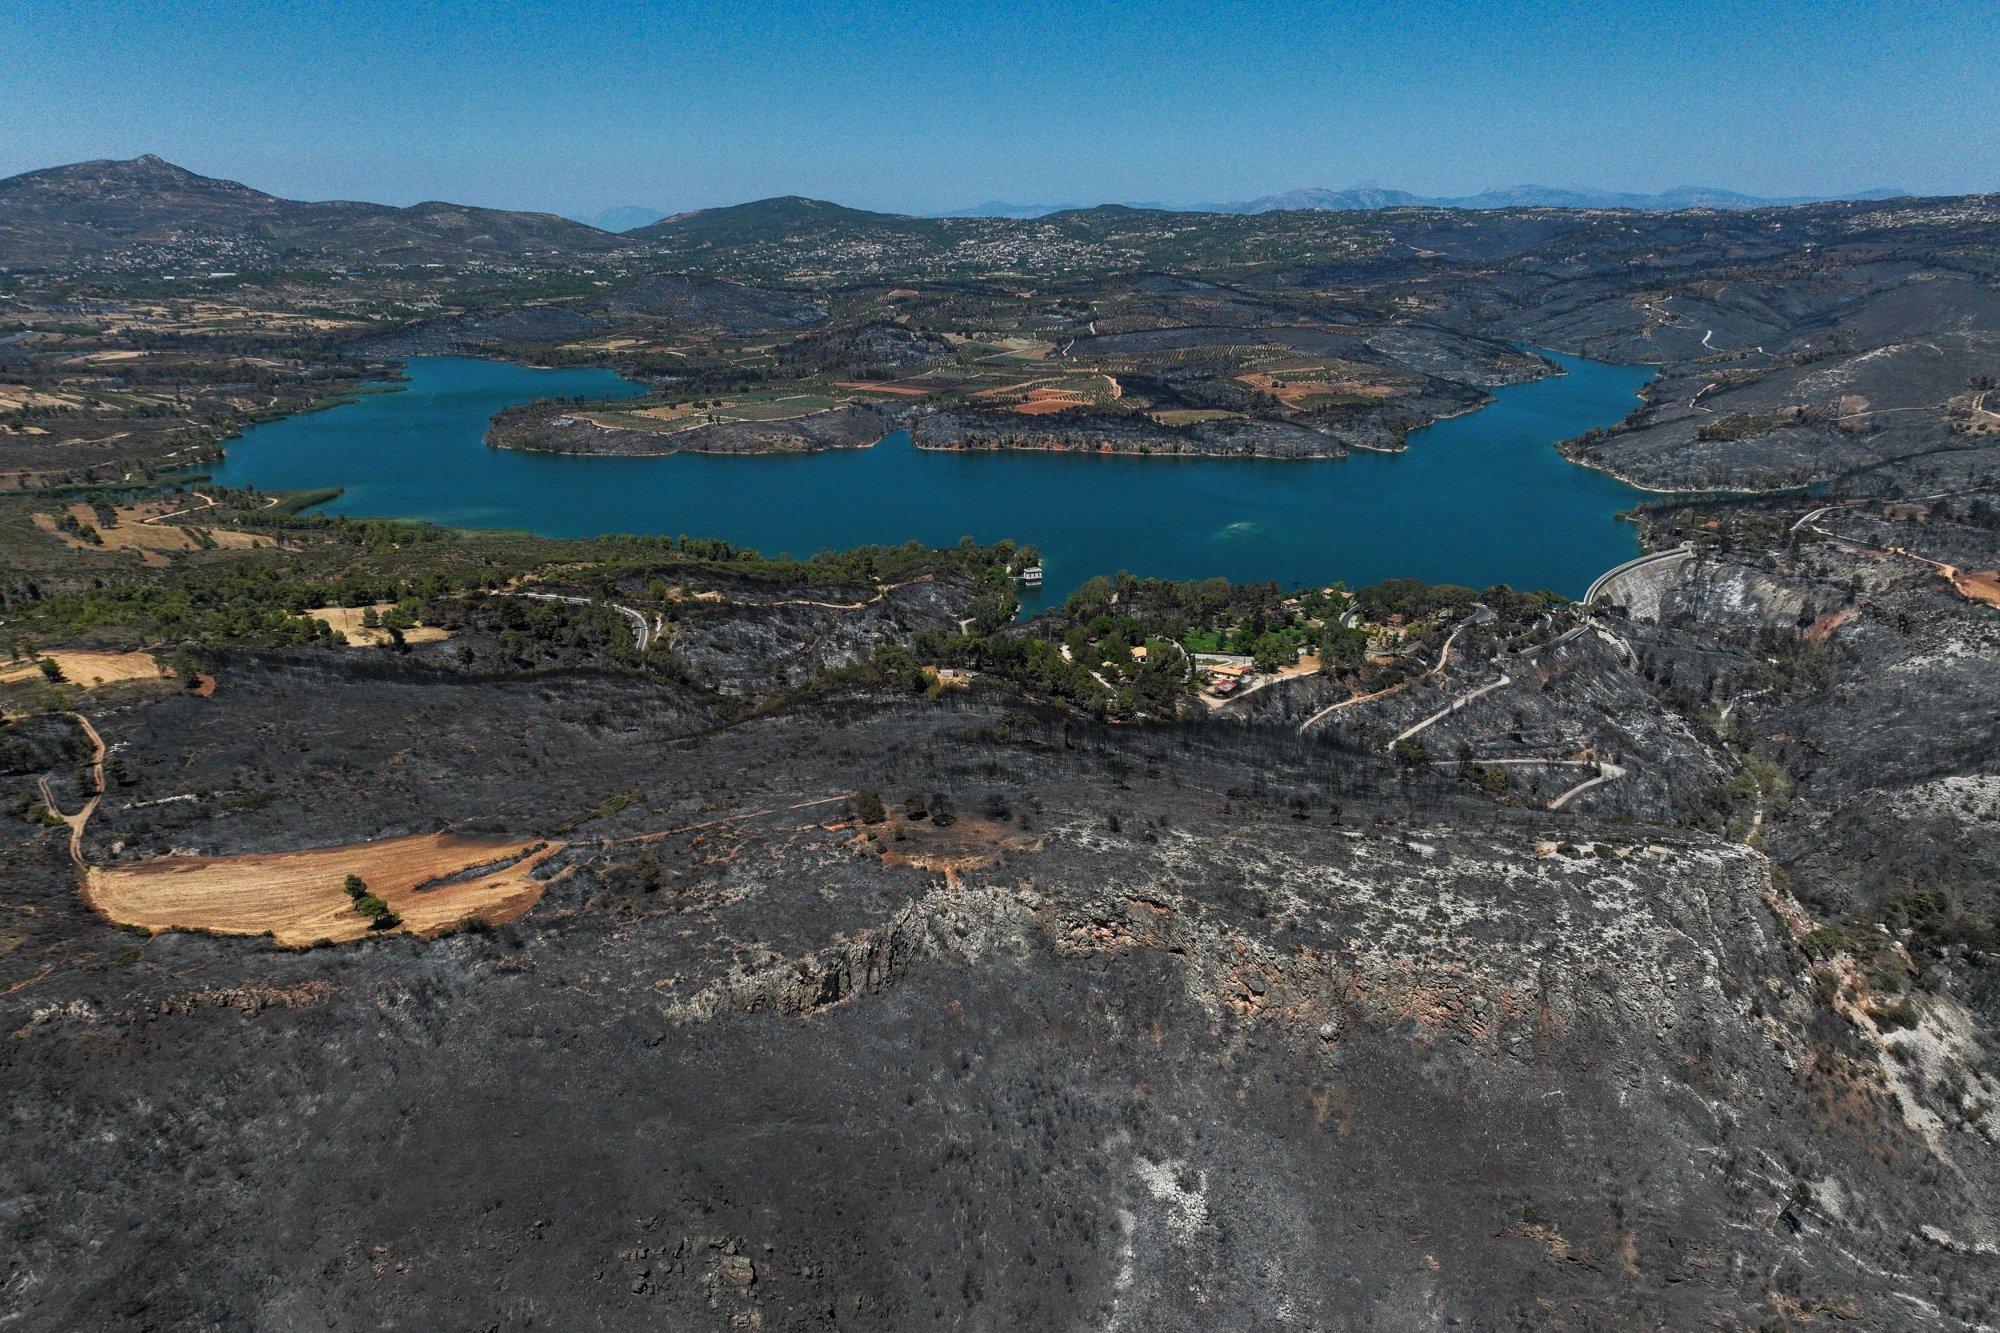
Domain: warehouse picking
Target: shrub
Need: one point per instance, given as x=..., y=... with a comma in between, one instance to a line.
x=1893, y=1015
x=867, y=806
x=378, y=913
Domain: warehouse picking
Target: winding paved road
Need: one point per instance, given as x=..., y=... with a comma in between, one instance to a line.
x=1452, y=707
x=642, y=632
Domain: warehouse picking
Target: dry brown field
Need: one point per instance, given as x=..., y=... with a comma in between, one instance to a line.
x=298, y=899
x=347, y=619
x=90, y=668
x=1980, y=586
x=151, y=542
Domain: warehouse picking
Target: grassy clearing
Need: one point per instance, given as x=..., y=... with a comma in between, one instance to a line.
x=348, y=621
x=128, y=528
x=90, y=669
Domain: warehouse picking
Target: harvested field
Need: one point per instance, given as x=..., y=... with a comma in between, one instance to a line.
x=1298, y=392
x=89, y=669
x=152, y=541
x=14, y=397
x=297, y=897
x=91, y=358
x=905, y=388
x=1979, y=586
x=347, y=619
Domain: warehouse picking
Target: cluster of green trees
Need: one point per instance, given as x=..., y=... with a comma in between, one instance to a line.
x=1257, y=620
x=241, y=604
x=368, y=905
x=1413, y=599
x=1101, y=623
x=860, y=564
x=533, y=633
x=77, y=528
x=257, y=600
x=226, y=611
x=1036, y=664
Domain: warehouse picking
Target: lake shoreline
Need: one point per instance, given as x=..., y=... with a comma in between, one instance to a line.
x=1478, y=498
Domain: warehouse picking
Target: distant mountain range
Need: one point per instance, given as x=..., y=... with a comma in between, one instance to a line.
x=1367, y=198
x=150, y=214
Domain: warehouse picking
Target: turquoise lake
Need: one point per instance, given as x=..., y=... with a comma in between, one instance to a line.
x=1477, y=499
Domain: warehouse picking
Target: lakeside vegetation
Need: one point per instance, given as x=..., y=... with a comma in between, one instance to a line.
x=1117, y=647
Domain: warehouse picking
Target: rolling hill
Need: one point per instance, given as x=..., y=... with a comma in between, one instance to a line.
x=146, y=211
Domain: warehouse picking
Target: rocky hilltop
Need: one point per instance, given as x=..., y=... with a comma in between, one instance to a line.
x=149, y=210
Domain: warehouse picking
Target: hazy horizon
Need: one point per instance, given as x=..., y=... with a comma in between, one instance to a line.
x=634, y=208
x=926, y=110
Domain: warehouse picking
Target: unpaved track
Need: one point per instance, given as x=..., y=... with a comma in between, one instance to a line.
x=296, y=897
x=1452, y=707
x=645, y=632
x=1606, y=771
x=728, y=819
x=81, y=818
x=1967, y=584
x=207, y=502
x=1444, y=659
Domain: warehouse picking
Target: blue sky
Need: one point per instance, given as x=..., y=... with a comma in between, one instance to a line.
x=582, y=105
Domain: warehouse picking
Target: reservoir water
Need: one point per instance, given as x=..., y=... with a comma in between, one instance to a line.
x=1477, y=499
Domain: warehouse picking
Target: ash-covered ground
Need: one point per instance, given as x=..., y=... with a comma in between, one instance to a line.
x=1204, y=1024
